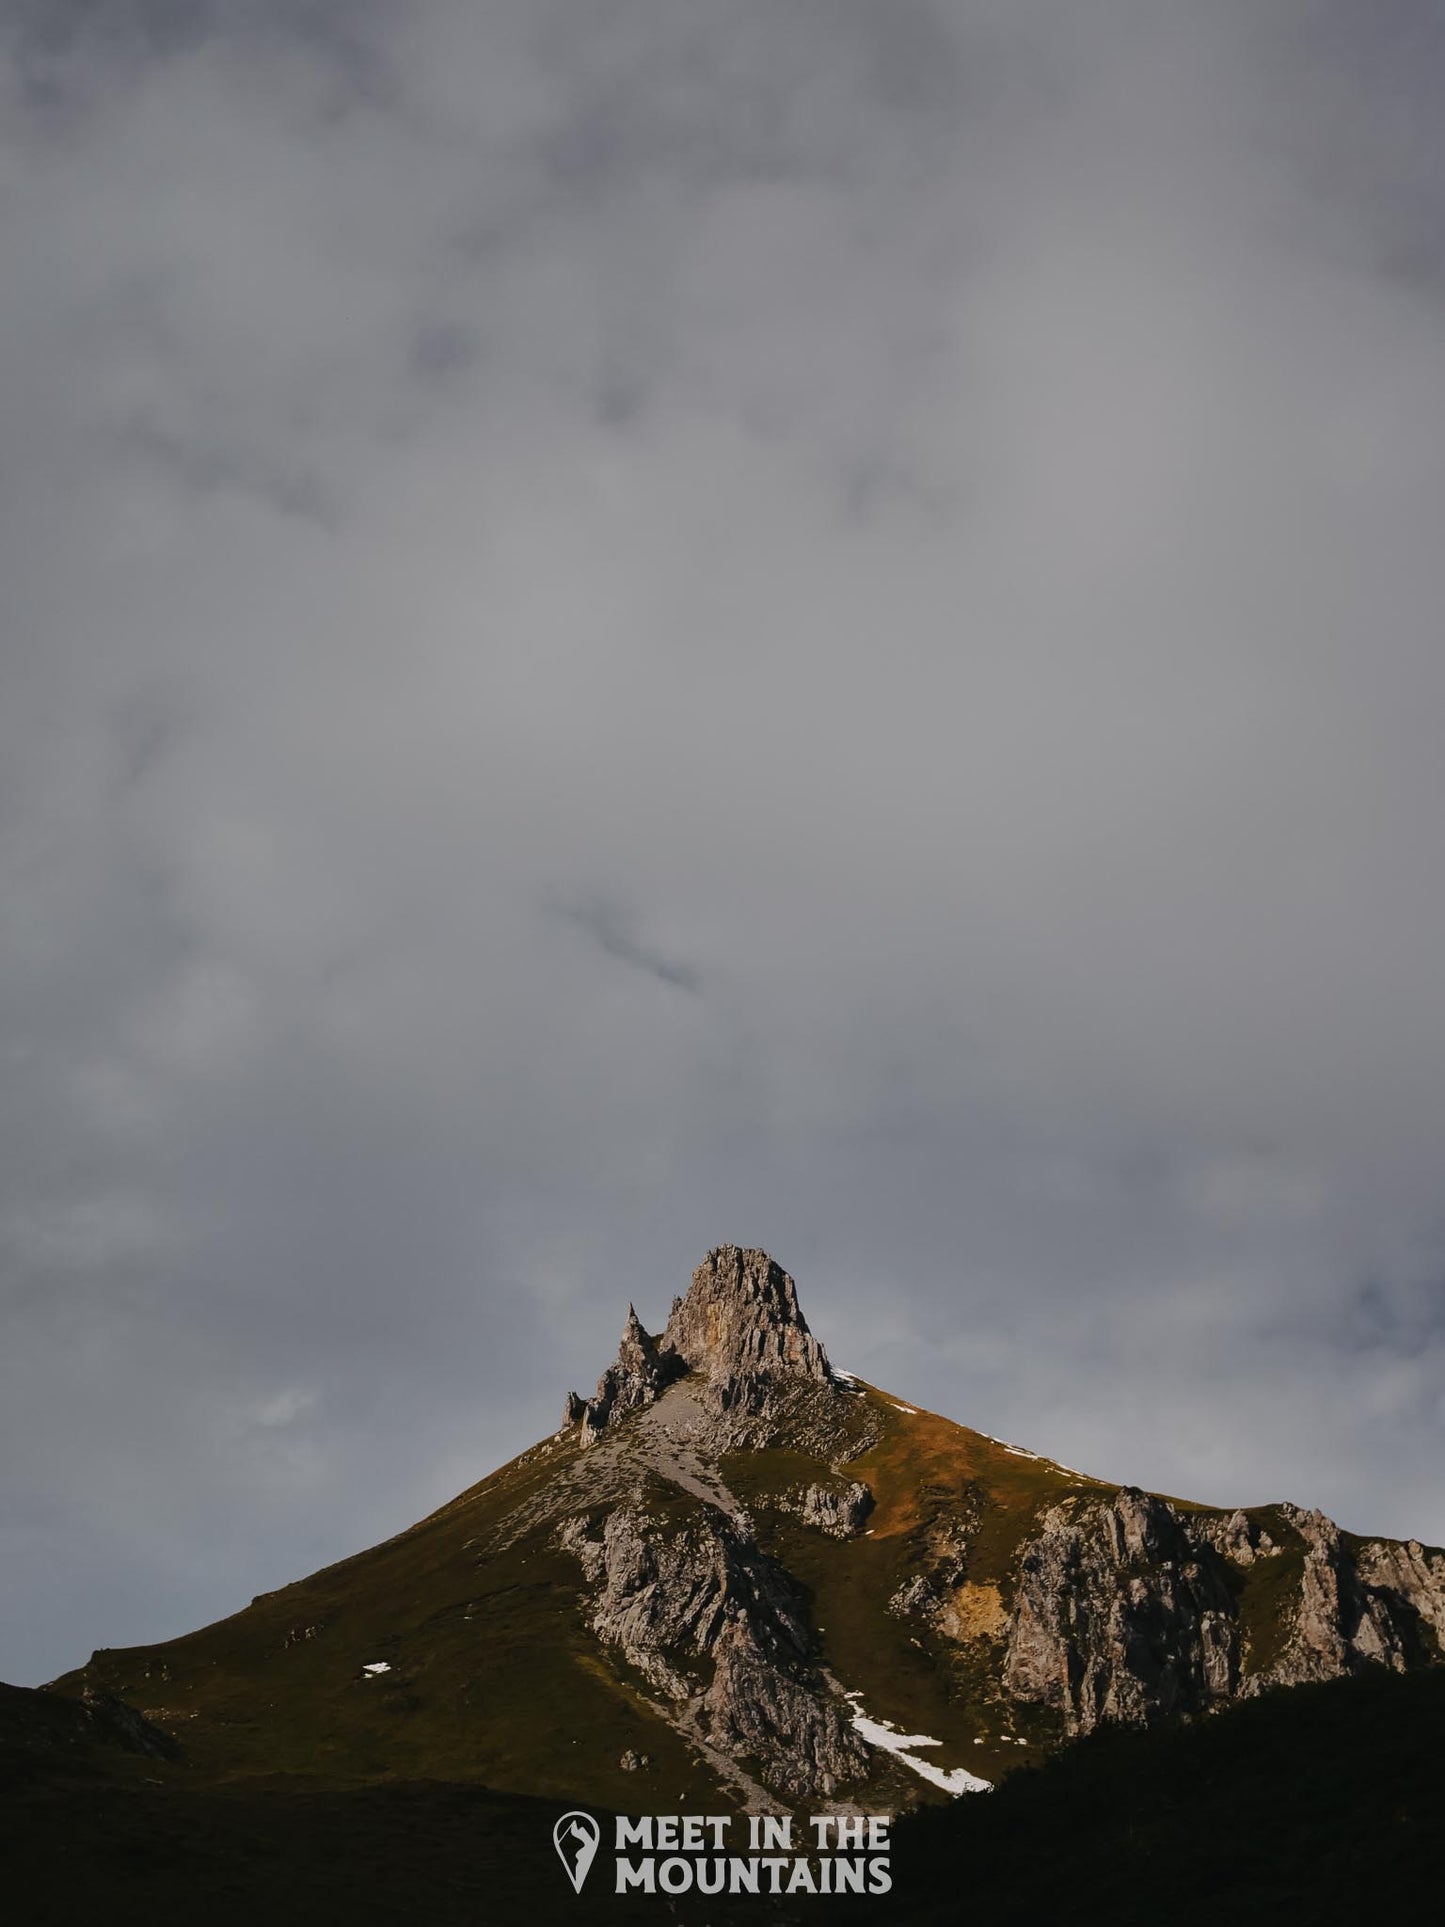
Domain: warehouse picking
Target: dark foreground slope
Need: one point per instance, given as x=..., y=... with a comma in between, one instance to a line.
x=1319, y=1805
x=1312, y=1805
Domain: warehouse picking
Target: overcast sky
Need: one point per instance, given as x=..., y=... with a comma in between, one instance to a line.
x=637, y=623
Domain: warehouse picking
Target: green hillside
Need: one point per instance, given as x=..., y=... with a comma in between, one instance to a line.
x=494, y=1678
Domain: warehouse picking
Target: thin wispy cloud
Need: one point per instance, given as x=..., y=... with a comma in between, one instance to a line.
x=614, y=931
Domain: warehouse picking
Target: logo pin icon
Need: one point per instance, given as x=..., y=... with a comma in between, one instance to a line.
x=575, y=1837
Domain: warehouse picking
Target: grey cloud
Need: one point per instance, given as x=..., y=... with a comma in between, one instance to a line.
x=199, y=470
x=917, y=524
x=615, y=932
x=445, y=349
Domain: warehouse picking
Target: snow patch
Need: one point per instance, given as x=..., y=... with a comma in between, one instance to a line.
x=912, y=1410
x=1020, y=1453
x=884, y=1735
x=376, y=1666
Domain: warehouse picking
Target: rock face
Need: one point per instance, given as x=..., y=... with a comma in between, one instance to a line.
x=780, y=1717
x=712, y=1624
x=1381, y=1605
x=1124, y=1609
x=641, y=1371
x=840, y=1511
x=740, y=1324
x=1117, y=1617
x=671, y=1597
x=1416, y=1577
x=1241, y=1539
x=739, y=1327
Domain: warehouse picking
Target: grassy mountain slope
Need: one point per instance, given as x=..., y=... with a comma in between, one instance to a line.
x=496, y=1679
x=492, y=1678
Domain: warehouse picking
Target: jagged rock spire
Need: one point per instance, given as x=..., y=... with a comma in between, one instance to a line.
x=741, y=1319
x=639, y=1373
x=740, y=1326
x=638, y=1347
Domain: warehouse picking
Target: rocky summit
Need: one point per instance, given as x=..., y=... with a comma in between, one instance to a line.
x=746, y=1578
x=739, y=1329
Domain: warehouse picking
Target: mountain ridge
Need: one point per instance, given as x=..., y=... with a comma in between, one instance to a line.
x=758, y=1581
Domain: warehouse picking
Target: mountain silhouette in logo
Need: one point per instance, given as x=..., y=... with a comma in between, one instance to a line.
x=575, y=1837
x=738, y=1576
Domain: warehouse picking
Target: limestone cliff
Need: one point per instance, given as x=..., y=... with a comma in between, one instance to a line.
x=1129, y=1609
x=723, y=1632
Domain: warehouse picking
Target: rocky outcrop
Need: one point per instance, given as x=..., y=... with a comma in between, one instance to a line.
x=42, y=1729
x=942, y=1567
x=840, y=1511
x=1414, y=1580
x=722, y=1632
x=641, y=1372
x=661, y=1596
x=1380, y=1605
x=1333, y=1625
x=739, y=1327
x=1119, y=1614
x=1124, y=1609
x=800, y=1736
x=1236, y=1537
x=916, y=1598
x=806, y=1415
x=129, y=1728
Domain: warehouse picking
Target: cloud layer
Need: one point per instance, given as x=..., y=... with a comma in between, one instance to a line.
x=633, y=625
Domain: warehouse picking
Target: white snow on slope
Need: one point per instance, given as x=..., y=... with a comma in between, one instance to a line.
x=1020, y=1453
x=376, y=1666
x=883, y=1734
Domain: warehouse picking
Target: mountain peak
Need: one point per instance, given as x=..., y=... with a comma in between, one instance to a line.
x=739, y=1326
x=741, y=1318
x=719, y=1580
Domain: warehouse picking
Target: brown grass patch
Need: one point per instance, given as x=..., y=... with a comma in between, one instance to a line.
x=972, y=1612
